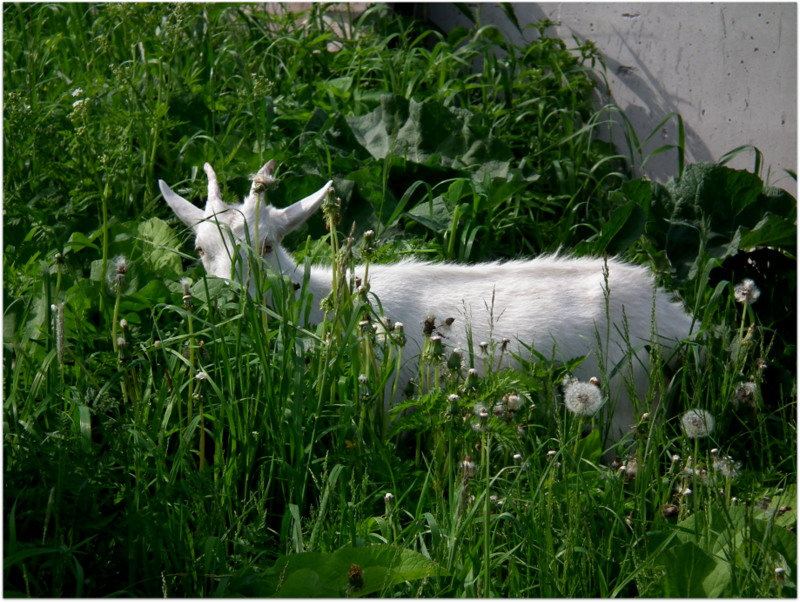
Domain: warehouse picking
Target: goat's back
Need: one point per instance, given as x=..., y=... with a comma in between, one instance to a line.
x=551, y=302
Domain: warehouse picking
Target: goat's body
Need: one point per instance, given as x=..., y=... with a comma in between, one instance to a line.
x=563, y=308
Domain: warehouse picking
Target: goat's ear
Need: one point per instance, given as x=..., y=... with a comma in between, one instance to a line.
x=186, y=212
x=214, y=203
x=286, y=220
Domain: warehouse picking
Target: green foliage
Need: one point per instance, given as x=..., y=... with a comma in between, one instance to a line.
x=721, y=561
x=349, y=572
x=165, y=435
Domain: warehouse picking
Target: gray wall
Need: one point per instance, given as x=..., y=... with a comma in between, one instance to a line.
x=729, y=69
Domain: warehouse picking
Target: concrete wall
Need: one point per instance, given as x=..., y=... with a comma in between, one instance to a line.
x=729, y=69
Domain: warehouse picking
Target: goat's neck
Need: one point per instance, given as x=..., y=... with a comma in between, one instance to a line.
x=319, y=278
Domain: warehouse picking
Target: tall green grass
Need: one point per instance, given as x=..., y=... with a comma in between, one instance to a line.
x=164, y=434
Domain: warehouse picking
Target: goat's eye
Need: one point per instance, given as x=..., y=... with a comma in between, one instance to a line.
x=200, y=251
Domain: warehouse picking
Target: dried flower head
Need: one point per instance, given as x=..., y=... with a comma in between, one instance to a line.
x=480, y=410
x=117, y=273
x=669, y=510
x=583, y=398
x=469, y=467
x=697, y=423
x=746, y=292
x=726, y=466
x=513, y=402
x=745, y=393
x=631, y=468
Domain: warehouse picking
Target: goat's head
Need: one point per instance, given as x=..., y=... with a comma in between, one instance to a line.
x=222, y=231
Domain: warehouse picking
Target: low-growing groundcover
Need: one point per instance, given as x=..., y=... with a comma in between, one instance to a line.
x=166, y=435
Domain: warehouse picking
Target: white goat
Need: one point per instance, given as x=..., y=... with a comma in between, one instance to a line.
x=562, y=307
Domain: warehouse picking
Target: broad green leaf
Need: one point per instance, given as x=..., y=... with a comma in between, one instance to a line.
x=692, y=573
x=161, y=245
x=434, y=215
x=622, y=230
x=430, y=133
x=348, y=572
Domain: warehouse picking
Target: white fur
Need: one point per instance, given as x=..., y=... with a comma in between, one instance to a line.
x=557, y=305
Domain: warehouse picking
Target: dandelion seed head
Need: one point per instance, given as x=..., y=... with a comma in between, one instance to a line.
x=697, y=423
x=746, y=292
x=583, y=399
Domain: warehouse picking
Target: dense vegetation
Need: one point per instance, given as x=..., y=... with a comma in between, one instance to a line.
x=166, y=435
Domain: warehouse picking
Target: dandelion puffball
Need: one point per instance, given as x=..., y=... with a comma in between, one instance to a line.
x=746, y=292
x=697, y=423
x=583, y=399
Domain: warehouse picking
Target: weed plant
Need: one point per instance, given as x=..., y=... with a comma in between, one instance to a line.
x=165, y=434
